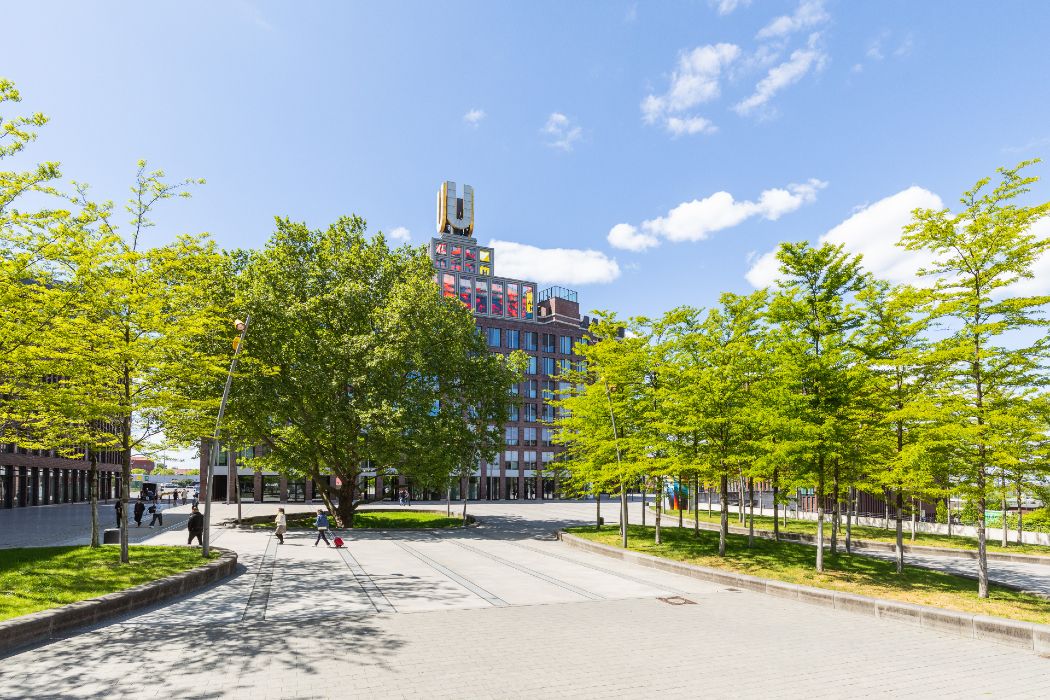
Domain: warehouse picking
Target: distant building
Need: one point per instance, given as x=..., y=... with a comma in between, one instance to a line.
x=144, y=463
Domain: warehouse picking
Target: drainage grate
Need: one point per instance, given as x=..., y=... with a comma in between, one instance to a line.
x=676, y=600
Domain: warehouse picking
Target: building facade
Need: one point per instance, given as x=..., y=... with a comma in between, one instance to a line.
x=512, y=314
x=40, y=477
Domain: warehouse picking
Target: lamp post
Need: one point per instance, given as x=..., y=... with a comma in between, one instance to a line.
x=242, y=326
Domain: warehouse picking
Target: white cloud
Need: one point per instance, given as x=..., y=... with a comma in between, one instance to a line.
x=473, y=117
x=554, y=265
x=399, y=233
x=725, y=7
x=873, y=232
x=690, y=125
x=1039, y=282
x=695, y=81
x=809, y=13
x=561, y=131
x=627, y=237
x=801, y=62
x=697, y=219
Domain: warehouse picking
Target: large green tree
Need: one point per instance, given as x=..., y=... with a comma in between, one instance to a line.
x=989, y=364
x=353, y=359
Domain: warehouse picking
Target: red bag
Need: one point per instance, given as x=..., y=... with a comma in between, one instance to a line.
x=338, y=541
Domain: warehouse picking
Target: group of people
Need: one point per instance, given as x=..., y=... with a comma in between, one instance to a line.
x=139, y=510
x=320, y=522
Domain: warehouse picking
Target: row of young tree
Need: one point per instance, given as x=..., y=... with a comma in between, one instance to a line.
x=835, y=380
x=116, y=338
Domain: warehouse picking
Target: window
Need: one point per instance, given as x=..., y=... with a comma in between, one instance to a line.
x=493, y=337
x=546, y=437
x=457, y=266
x=529, y=460
x=530, y=413
x=530, y=340
x=456, y=250
x=548, y=457
x=465, y=286
x=548, y=389
x=548, y=366
x=565, y=344
x=528, y=297
x=512, y=299
x=441, y=248
x=510, y=435
x=548, y=412
x=469, y=267
x=497, y=298
x=515, y=389
x=530, y=437
x=512, y=413
x=470, y=253
x=532, y=365
x=512, y=338
x=481, y=295
x=485, y=270
x=548, y=342
x=530, y=388
x=448, y=285
x=485, y=255
x=442, y=263
x=510, y=459
x=564, y=366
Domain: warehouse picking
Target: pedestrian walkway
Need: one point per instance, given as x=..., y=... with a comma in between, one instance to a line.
x=501, y=610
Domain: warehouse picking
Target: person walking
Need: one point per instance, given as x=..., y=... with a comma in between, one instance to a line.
x=281, y=521
x=321, y=523
x=119, y=507
x=196, y=527
x=140, y=508
x=157, y=516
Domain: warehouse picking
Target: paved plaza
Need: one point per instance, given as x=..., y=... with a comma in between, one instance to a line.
x=500, y=610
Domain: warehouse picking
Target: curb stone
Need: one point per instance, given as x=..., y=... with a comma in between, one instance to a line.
x=1024, y=635
x=44, y=625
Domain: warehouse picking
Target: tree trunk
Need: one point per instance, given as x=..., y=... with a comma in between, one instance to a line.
x=464, y=507
x=659, y=510
x=709, y=504
x=914, y=518
x=678, y=497
x=820, y=513
x=750, y=511
x=900, y=530
x=1005, y=532
x=982, y=544
x=448, y=501
x=93, y=491
x=836, y=510
x=696, y=505
x=776, y=506
x=740, y=498
x=598, y=511
x=723, y=525
x=125, y=476
x=644, y=507
x=1020, y=517
x=849, y=527
x=623, y=515
x=886, y=505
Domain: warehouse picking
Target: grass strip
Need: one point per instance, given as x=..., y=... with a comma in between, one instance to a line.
x=379, y=520
x=860, y=532
x=794, y=563
x=39, y=578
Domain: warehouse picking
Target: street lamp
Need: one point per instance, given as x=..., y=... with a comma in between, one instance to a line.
x=241, y=326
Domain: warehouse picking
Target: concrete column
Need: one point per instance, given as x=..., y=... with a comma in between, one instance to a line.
x=283, y=486
x=521, y=485
x=308, y=489
x=20, y=485
x=257, y=486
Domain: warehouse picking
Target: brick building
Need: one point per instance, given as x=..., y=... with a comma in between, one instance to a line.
x=40, y=477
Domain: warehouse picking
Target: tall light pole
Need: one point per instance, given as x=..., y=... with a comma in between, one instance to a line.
x=242, y=326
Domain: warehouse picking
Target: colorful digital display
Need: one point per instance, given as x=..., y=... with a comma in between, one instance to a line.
x=481, y=296
x=456, y=250
x=470, y=253
x=465, y=285
x=485, y=270
x=512, y=299
x=469, y=267
x=442, y=263
x=486, y=255
x=528, y=297
x=448, y=285
x=441, y=249
x=497, y=298
x=456, y=265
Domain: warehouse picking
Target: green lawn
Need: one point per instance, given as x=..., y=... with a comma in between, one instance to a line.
x=794, y=563
x=38, y=578
x=388, y=520
x=875, y=534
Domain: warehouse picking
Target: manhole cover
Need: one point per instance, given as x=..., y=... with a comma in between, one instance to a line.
x=676, y=600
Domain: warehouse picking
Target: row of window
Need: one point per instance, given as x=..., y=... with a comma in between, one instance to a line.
x=495, y=297
x=513, y=339
x=530, y=389
x=526, y=459
x=530, y=412
x=527, y=436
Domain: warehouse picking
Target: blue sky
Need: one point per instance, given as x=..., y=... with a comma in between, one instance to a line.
x=664, y=148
